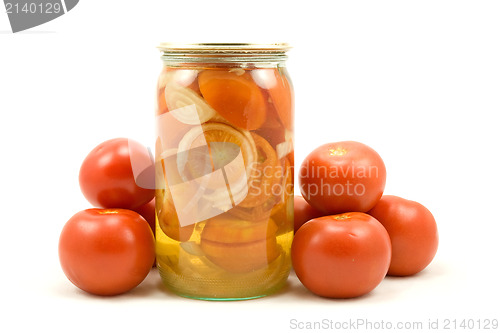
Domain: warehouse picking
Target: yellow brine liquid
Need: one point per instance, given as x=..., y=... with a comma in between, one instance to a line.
x=224, y=171
x=187, y=270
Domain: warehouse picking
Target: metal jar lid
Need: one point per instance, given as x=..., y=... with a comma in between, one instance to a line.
x=224, y=48
x=223, y=52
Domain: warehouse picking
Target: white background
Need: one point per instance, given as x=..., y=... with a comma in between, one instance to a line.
x=419, y=81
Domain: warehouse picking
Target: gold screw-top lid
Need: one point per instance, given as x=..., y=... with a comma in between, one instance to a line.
x=234, y=48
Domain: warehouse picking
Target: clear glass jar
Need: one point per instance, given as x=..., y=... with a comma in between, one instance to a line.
x=224, y=170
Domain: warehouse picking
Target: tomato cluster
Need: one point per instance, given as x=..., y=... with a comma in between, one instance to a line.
x=111, y=249
x=348, y=236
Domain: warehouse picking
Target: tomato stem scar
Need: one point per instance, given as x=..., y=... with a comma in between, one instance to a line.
x=337, y=151
x=342, y=217
x=108, y=212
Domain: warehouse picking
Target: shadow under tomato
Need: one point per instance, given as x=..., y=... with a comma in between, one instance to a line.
x=397, y=285
x=147, y=288
x=297, y=290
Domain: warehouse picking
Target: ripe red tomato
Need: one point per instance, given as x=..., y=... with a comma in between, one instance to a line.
x=342, y=177
x=341, y=256
x=106, y=251
x=107, y=178
x=413, y=233
x=303, y=212
x=147, y=211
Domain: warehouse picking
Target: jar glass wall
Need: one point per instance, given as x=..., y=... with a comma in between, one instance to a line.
x=224, y=170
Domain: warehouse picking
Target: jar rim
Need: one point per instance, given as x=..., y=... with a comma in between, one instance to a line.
x=217, y=48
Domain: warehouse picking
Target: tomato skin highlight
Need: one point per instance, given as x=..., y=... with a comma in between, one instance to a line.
x=303, y=212
x=107, y=179
x=106, y=251
x=340, y=177
x=413, y=232
x=341, y=256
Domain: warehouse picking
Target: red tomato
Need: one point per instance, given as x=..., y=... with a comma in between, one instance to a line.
x=342, y=177
x=413, y=233
x=147, y=211
x=303, y=212
x=107, y=178
x=106, y=251
x=235, y=96
x=341, y=256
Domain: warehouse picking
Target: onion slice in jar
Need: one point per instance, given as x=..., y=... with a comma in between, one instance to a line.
x=185, y=104
x=219, y=158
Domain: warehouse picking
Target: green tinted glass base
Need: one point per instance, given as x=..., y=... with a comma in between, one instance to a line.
x=238, y=294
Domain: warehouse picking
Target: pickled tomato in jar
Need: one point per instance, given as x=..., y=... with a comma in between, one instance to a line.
x=224, y=170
